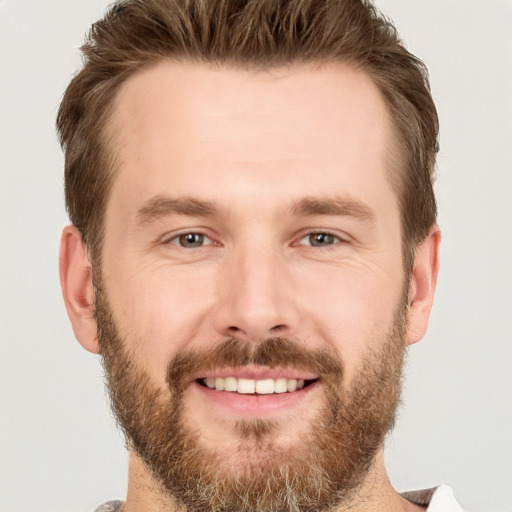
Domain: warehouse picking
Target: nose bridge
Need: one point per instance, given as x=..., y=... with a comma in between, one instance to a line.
x=254, y=299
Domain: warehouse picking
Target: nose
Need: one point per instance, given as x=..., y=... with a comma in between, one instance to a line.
x=255, y=297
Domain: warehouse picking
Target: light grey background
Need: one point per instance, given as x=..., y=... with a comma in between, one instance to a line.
x=59, y=450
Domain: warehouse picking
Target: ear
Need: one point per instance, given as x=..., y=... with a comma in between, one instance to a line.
x=423, y=285
x=77, y=289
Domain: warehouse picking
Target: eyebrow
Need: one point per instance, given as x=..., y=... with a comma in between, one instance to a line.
x=334, y=206
x=159, y=207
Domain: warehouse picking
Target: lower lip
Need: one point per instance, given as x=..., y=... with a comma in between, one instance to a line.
x=254, y=405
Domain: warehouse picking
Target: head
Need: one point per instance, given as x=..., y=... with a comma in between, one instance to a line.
x=250, y=185
x=255, y=35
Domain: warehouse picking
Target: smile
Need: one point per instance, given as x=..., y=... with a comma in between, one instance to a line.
x=254, y=386
x=255, y=392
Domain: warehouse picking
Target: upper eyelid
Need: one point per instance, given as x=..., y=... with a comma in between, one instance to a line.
x=343, y=237
x=190, y=233
x=174, y=241
x=196, y=231
x=326, y=246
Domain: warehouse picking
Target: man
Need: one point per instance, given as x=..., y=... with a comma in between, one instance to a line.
x=254, y=244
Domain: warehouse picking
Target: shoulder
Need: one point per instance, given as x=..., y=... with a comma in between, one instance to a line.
x=438, y=499
x=110, y=506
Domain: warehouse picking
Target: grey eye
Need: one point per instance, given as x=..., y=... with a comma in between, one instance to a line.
x=320, y=239
x=191, y=240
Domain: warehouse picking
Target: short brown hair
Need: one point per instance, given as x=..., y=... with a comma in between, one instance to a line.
x=248, y=33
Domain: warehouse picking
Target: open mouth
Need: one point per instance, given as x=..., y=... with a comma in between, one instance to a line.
x=255, y=386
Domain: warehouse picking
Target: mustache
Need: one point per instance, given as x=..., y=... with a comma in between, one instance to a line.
x=272, y=353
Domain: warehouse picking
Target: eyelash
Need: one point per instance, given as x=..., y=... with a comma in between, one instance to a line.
x=177, y=239
x=334, y=238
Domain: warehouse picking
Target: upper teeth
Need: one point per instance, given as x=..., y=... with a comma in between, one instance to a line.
x=249, y=386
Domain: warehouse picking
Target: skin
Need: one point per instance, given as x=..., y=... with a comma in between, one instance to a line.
x=254, y=146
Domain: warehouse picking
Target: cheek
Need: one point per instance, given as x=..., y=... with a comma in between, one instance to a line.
x=158, y=310
x=353, y=306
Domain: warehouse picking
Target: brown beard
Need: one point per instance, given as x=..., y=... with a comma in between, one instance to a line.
x=320, y=473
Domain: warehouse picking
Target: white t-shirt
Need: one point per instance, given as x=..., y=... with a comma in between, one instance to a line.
x=439, y=499
x=443, y=500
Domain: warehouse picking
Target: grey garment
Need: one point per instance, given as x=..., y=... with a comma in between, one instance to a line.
x=421, y=497
x=110, y=506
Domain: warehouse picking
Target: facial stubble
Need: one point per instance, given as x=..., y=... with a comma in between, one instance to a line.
x=321, y=472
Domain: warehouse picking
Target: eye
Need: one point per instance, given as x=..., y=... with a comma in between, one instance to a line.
x=190, y=240
x=320, y=239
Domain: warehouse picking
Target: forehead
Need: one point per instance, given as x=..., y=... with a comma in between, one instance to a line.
x=187, y=126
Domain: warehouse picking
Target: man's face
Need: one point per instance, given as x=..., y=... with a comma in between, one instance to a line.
x=252, y=241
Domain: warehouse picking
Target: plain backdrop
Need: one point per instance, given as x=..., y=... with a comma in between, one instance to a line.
x=59, y=448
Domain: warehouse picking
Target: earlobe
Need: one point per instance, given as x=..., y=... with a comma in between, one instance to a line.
x=423, y=285
x=77, y=288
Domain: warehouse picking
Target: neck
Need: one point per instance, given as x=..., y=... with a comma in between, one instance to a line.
x=376, y=494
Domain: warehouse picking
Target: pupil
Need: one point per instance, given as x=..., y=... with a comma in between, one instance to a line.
x=321, y=239
x=191, y=240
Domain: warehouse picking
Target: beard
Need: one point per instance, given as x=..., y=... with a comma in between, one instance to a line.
x=320, y=472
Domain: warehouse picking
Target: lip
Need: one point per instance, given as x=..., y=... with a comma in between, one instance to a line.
x=253, y=406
